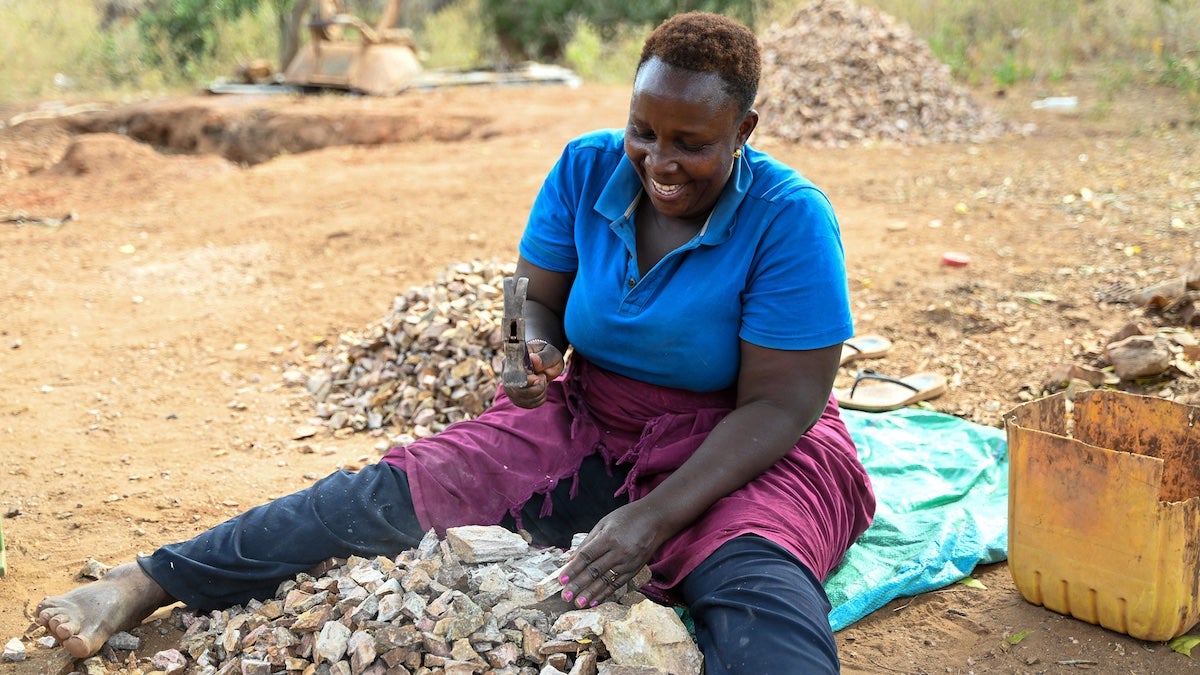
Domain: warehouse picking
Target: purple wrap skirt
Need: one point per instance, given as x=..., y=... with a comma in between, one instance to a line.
x=814, y=502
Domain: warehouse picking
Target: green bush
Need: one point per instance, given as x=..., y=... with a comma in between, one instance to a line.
x=184, y=34
x=541, y=29
x=610, y=61
x=456, y=37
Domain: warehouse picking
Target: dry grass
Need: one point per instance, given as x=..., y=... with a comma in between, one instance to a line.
x=42, y=40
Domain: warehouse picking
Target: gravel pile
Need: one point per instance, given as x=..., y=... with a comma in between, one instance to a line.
x=482, y=601
x=837, y=74
x=431, y=361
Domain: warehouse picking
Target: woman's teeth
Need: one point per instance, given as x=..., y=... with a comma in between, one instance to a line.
x=665, y=190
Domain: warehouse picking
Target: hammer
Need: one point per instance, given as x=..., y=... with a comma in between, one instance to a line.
x=517, y=365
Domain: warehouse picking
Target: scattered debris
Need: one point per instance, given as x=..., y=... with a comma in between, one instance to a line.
x=54, y=111
x=1161, y=346
x=21, y=218
x=1060, y=104
x=955, y=259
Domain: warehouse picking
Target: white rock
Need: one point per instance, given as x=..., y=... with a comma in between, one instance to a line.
x=14, y=651
x=653, y=635
x=331, y=643
x=169, y=661
x=480, y=544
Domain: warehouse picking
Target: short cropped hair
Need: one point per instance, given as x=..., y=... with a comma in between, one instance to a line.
x=709, y=43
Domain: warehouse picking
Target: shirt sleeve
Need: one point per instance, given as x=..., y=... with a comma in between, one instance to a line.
x=797, y=296
x=549, y=238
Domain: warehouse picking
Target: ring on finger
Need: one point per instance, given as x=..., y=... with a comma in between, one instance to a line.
x=610, y=577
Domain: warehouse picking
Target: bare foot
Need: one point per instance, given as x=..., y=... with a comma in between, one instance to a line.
x=84, y=618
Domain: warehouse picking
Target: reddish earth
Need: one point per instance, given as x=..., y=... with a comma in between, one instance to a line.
x=142, y=341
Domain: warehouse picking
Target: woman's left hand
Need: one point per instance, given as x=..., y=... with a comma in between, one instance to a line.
x=547, y=364
x=613, y=552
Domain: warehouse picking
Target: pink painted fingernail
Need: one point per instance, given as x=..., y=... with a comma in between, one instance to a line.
x=594, y=603
x=581, y=601
x=567, y=595
x=564, y=579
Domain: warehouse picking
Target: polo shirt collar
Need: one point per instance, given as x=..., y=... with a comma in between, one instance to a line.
x=620, y=196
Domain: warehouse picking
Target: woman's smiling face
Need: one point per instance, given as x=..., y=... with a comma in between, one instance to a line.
x=682, y=132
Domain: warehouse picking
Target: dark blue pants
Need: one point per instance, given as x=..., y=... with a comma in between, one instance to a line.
x=757, y=610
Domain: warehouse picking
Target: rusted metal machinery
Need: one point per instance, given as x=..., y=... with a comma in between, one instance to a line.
x=345, y=52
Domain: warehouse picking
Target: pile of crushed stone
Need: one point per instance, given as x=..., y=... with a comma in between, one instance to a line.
x=837, y=74
x=431, y=361
x=481, y=601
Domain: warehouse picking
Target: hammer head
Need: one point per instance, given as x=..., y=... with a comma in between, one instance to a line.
x=516, y=354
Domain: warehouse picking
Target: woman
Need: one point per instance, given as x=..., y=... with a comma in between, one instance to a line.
x=701, y=286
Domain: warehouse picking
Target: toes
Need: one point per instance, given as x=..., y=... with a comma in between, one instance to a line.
x=64, y=629
x=45, y=613
x=78, y=647
x=59, y=625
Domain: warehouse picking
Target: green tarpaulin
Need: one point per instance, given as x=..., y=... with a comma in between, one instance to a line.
x=942, y=487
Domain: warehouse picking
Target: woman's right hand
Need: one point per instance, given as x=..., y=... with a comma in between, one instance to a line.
x=547, y=364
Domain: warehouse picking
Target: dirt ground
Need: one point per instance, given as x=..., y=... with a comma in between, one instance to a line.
x=143, y=339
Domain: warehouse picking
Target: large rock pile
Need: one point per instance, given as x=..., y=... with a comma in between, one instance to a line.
x=836, y=74
x=481, y=601
x=431, y=361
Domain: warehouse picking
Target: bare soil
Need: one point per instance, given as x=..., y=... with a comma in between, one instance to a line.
x=214, y=241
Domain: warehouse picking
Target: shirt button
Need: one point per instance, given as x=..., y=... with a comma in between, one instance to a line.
x=632, y=282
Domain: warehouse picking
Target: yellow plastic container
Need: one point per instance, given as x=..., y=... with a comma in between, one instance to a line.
x=1104, y=510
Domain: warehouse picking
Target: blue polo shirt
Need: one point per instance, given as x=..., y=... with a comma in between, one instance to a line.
x=768, y=267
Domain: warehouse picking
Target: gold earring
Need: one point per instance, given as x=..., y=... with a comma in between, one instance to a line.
x=737, y=153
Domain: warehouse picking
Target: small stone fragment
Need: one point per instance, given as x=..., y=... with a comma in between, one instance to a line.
x=255, y=667
x=1139, y=356
x=332, y=642
x=653, y=635
x=390, y=607
x=94, y=666
x=313, y=619
x=587, y=624
x=481, y=544
x=124, y=641
x=361, y=648
x=169, y=661
x=93, y=569
x=14, y=651
x=585, y=664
